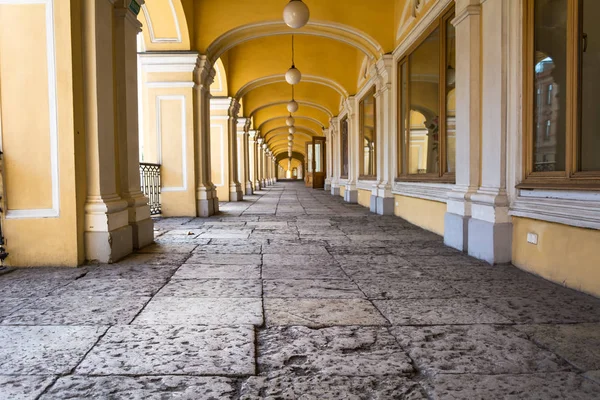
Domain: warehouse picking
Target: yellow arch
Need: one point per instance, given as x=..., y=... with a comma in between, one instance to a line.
x=164, y=26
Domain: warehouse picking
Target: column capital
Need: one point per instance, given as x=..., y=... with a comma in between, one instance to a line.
x=204, y=74
x=465, y=9
x=241, y=125
x=252, y=134
x=234, y=108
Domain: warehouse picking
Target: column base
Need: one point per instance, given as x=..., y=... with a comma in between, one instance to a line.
x=335, y=191
x=384, y=205
x=327, y=186
x=490, y=242
x=109, y=247
x=456, y=228
x=142, y=233
x=257, y=185
x=249, y=189
x=238, y=195
x=351, y=196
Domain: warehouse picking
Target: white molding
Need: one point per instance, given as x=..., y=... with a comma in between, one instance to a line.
x=53, y=212
x=184, y=178
x=153, y=37
x=423, y=190
x=170, y=85
x=578, y=213
x=169, y=62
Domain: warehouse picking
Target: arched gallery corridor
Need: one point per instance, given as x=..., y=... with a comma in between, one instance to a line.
x=293, y=293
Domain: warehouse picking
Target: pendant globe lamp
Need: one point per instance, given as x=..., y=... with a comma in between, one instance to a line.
x=293, y=75
x=292, y=106
x=292, y=129
x=290, y=137
x=290, y=121
x=296, y=14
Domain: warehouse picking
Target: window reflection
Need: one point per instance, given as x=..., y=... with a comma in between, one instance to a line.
x=367, y=110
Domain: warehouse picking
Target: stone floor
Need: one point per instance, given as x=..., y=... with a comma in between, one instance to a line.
x=295, y=294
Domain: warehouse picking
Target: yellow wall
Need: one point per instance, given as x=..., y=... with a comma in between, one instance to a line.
x=342, y=191
x=564, y=254
x=364, y=198
x=219, y=162
x=25, y=109
x=424, y=213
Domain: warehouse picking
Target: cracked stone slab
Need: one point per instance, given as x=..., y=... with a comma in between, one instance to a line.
x=579, y=344
x=229, y=249
x=201, y=311
x=593, y=376
x=111, y=287
x=45, y=350
x=169, y=248
x=406, y=289
x=425, y=248
x=386, y=260
x=444, y=260
x=192, y=233
x=239, y=242
x=26, y=288
x=512, y=387
x=274, y=271
x=541, y=310
x=380, y=271
x=45, y=273
x=438, y=312
x=9, y=305
x=321, y=312
x=475, y=349
x=323, y=387
x=212, y=288
x=268, y=225
x=312, y=288
x=516, y=288
x=77, y=387
x=154, y=259
x=227, y=259
x=295, y=250
x=78, y=310
x=184, y=240
x=238, y=234
x=476, y=273
x=358, y=250
x=172, y=350
x=301, y=260
x=23, y=387
x=114, y=271
x=205, y=271
x=335, y=351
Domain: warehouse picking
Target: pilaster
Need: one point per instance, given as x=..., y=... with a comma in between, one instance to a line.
x=253, y=145
x=468, y=119
x=247, y=180
x=108, y=235
x=490, y=228
x=351, y=192
x=207, y=202
x=328, y=158
x=235, y=188
x=334, y=129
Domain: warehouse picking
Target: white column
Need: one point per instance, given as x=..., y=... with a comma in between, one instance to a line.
x=126, y=29
x=490, y=228
x=334, y=129
x=207, y=202
x=468, y=119
x=108, y=235
x=247, y=183
x=253, y=144
x=382, y=199
x=235, y=188
x=328, y=157
x=351, y=193
x=260, y=156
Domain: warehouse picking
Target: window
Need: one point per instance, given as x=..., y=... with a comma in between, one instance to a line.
x=427, y=106
x=561, y=57
x=368, y=149
x=344, y=147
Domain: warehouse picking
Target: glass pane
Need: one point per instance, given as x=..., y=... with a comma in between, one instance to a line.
x=424, y=81
x=403, y=99
x=309, y=167
x=344, y=145
x=550, y=95
x=450, y=97
x=368, y=148
x=318, y=158
x=590, y=65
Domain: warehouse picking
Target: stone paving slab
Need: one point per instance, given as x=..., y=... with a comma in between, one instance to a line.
x=321, y=312
x=361, y=272
x=9, y=305
x=205, y=271
x=516, y=288
x=172, y=350
x=23, y=387
x=336, y=351
x=113, y=387
x=45, y=350
x=358, y=250
x=301, y=260
x=476, y=349
x=154, y=259
x=274, y=271
x=325, y=387
x=229, y=249
x=201, y=311
x=169, y=248
x=50, y=273
x=78, y=310
x=239, y=242
x=212, y=288
x=300, y=249
x=111, y=287
x=579, y=344
x=476, y=273
x=185, y=240
x=312, y=288
x=29, y=288
x=512, y=387
x=438, y=312
x=226, y=259
x=406, y=289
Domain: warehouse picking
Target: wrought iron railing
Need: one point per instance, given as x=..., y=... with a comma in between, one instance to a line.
x=150, y=182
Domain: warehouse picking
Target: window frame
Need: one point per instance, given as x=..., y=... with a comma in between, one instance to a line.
x=572, y=177
x=344, y=120
x=403, y=140
x=361, y=151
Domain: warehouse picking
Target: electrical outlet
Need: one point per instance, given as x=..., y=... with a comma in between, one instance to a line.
x=532, y=238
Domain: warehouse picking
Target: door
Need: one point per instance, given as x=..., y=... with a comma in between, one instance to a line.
x=318, y=159
x=309, y=165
